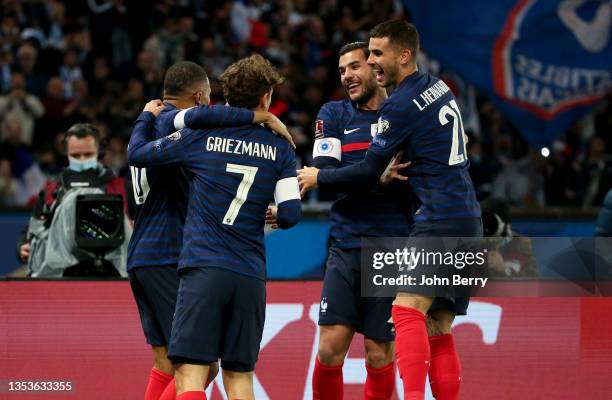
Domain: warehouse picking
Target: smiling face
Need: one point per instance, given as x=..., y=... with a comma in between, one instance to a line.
x=384, y=60
x=357, y=76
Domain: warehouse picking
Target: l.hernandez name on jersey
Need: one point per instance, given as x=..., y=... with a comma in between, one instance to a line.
x=422, y=118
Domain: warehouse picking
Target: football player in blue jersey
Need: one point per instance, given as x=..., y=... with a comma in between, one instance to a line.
x=343, y=132
x=421, y=118
x=237, y=172
x=161, y=196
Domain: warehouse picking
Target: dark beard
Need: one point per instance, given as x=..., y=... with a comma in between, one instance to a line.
x=367, y=96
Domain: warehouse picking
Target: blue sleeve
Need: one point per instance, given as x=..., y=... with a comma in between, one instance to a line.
x=289, y=213
x=393, y=129
x=327, y=150
x=364, y=174
x=173, y=148
x=287, y=193
x=217, y=116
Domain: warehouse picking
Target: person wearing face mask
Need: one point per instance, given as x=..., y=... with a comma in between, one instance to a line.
x=82, y=142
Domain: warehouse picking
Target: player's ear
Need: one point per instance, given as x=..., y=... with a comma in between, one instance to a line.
x=265, y=100
x=406, y=56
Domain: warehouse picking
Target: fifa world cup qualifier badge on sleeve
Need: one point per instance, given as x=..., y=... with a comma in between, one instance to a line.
x=319, y=129
x=434, y=267
x=175, y=136
x=383, y=127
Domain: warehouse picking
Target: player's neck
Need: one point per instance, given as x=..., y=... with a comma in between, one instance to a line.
x=373, y=104
x=178, y=103
x=404, y=72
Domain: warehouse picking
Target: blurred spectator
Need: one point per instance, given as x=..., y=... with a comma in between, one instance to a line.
x=22, y=105
x=598, y=173
x=115, y=156
x=149, y=73
x=6, y=68
x=510, y=253
x=521, y=182
x=604, y=221
x=7, y=184
x=70, y=72
x=26, y=178
x=100, y=60
x=54, y=119
x=27, y=56
x=212, y=59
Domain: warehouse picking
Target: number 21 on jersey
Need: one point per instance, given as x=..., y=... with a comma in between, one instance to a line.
x=458, y=153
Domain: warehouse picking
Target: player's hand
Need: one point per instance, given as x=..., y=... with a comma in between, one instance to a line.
x=276, y=125
x=393, y=170
x=24, y=252
x=154, y=106
x=271, y=217
x=307, y=178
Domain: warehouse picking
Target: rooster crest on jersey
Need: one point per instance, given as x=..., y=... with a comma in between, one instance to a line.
x=323, y=305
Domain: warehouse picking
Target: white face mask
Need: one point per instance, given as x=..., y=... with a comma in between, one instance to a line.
x=82, y=165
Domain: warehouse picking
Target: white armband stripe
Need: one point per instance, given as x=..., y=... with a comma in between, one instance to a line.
x=179, y=119
x=328, y=147
x=287, y=189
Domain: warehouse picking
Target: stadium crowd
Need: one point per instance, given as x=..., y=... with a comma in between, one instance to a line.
x=98, y=61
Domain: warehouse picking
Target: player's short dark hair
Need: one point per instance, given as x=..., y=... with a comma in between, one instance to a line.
x=246, y=80
x=182, y=76
x=347, y=48
x=83, y=130
x=399, y=32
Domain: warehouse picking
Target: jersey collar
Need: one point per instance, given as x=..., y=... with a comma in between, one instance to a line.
x=411, y=79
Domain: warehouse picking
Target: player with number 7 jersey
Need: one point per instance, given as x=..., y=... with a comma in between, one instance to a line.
x=237, y=172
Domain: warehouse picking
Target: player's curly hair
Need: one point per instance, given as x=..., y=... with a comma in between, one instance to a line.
x=246, y=80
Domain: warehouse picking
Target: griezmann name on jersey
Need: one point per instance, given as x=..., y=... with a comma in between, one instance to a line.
x=162, y=192
x=236, y=174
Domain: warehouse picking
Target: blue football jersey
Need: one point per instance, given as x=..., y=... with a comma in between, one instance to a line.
x=161, y=193
x=343, y=133
x=422, y=118
x=237, y=172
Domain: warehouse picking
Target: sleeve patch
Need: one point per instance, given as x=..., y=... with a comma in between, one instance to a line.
x=328, y=147
x=319, y=129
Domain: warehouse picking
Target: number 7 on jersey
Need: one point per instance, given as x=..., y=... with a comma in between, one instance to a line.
x=248, y=176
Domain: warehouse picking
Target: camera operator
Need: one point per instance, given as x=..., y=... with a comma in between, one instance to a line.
x=512, y=254
x=83, y=175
